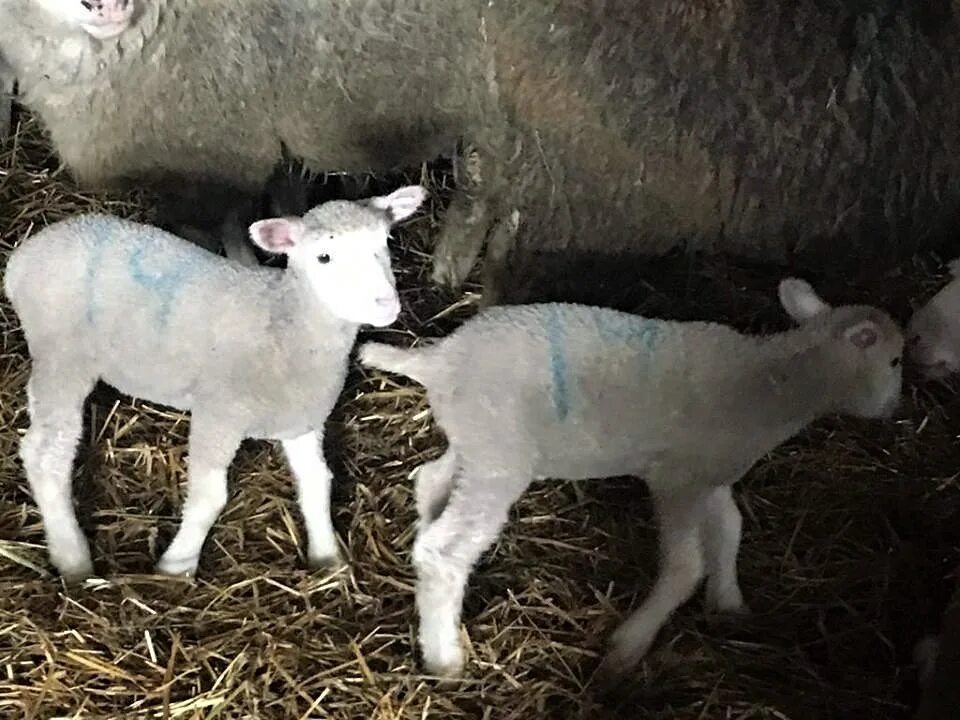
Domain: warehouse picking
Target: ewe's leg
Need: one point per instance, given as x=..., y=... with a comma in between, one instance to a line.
x=55, y=402
x=445, y=553
x=681, y=570
x=7, y=80
x=496, y=263
x=465, y=225
x=720, y=530
x=434, y=481
x=305, y=456
x=210, y=451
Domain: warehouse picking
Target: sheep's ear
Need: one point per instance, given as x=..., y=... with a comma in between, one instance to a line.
x=800, y=300
x=277, y=235
x=863, y=334
x=400, y=204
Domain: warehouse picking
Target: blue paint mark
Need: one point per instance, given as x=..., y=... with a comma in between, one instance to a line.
x=630, y=329
x=102, y=232
x=165, y=283
x=558, y=363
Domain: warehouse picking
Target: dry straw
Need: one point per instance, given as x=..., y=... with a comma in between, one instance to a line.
x=849, y=533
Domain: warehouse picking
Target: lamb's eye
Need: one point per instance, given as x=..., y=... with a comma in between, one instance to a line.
x=895, y=362
x=323, y=259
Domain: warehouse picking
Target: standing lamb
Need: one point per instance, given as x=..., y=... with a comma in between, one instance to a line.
x=933, y=332
x=933, y=336
x=252, y=351
x=571, y=391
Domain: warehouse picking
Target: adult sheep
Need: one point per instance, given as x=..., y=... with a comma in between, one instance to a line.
x=201, y=99
x=606, y=126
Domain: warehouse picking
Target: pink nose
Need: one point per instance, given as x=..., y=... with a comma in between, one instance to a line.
x=108, y=17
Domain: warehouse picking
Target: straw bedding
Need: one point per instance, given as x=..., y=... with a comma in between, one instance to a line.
x=849, y=537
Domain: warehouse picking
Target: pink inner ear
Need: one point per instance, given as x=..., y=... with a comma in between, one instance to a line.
x=275, y=234
x=864, y=337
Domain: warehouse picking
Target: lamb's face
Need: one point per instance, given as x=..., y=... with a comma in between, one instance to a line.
x=102, y=19
x=870, y=347
x=866, y=349
x=934, y=334
x=340, y=249
x=350, y=271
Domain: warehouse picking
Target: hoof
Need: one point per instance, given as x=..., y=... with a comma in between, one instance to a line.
x=75, y=575
x=177, y=567
x=624, y=655
x=74, y=569
x=446, y=665
x=728, y=602
x=326, y=563
x=719, y=616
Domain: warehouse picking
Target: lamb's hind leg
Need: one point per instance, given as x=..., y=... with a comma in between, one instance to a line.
x=55, y=398
x=434, y=482
x=445, y=553
x=211, y=448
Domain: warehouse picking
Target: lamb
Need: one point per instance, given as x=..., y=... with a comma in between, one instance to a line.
x=933, y=332
x=577, y=127
x=252, y=351
x=573, y=391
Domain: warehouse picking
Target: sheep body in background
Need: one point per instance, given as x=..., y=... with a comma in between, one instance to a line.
x=805, y=130
x=199, y=100
x=252, y=351
x=568, y=391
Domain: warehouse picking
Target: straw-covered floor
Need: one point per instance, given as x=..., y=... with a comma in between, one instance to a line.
x=850, y=532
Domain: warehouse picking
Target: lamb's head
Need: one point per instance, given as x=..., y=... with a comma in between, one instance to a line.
x=933, y=333
x=102, y=19
x=861, y=350
x=340, y=249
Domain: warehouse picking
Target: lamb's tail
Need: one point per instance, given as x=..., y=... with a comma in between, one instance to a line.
x=415, y=363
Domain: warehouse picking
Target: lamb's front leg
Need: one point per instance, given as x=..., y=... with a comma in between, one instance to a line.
x=211, y=450
x=681, y=570
x=305, y=457
x=720, y=529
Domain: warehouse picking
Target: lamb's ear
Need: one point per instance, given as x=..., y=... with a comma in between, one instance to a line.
x=800, y=300
x=277, y=235
x=862, y=334
x=400, y=204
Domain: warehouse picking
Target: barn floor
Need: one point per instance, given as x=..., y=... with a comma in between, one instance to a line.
x=849, y=536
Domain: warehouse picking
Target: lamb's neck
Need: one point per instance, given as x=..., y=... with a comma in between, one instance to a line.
x=795, y=379
x=311, y=317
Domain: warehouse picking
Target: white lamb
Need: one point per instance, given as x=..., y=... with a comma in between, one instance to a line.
x=568, y=391
x=933, y=331
x=252, y=351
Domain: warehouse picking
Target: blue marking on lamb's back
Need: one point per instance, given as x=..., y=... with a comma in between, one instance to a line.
x=630, y=329
x=165, y=283
x=558, y=363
